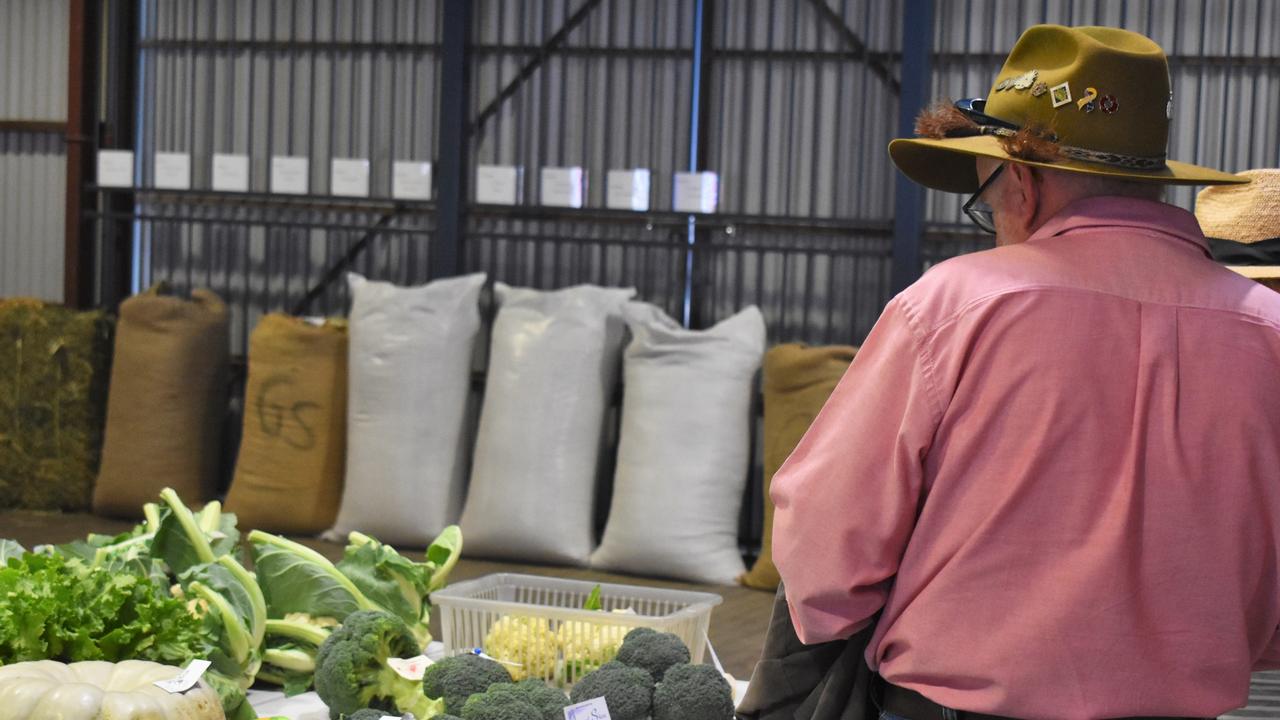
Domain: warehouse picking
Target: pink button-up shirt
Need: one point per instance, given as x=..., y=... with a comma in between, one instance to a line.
x=1054, y=469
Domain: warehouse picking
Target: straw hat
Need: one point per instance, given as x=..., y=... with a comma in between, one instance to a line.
x=1102, y=94
x=1243, y=224
x=1242, y=213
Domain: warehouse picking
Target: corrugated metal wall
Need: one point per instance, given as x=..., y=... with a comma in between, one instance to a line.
x=320, y=79
x=33, y=86
x=801, y=99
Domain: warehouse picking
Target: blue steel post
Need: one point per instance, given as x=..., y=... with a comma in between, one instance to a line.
x=444, y=253
x=908, y=202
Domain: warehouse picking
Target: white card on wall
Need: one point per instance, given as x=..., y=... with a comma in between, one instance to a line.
x=411, y=180
x=498, y=184
x=563, y=186
x=230, y=173
x=628, y=189
x=696, y=192
x=173, y=171
x=349, y=177
x=115, y=168
x=289, y=175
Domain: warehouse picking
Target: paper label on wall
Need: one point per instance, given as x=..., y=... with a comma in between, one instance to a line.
x=563, y=186
x=411, y=180
x=186, y=679
x=115, y=168
x=349, y=178
x=593, y=709
x=289, y=175
x=173, y=171
x=498, y=184
x=230, y=173
x=628, y=189
x=696, y=192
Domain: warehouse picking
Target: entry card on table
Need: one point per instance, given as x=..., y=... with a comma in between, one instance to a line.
x=186, y=679
x=593, y=709
x=411, y=180
x=349, y=177
x=230, y=173
x=173, y=171
x=289, y=175
x=115, y=168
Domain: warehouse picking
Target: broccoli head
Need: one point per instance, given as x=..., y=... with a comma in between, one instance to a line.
x=653, y=651
x=547, y=702
x=627, y=690
x=458, y=677
x=693, y=691
x=372, y=714
x=352, y=671
x=502, y=701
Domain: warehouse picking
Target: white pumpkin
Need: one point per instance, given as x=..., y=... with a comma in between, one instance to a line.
x=48, y=690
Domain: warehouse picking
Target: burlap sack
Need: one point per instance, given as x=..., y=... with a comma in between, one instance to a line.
x=167, y=402
x=288, y=475
x=54, y=364
x=797, y=382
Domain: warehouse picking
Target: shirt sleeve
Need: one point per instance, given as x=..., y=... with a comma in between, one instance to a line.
x=846, y=499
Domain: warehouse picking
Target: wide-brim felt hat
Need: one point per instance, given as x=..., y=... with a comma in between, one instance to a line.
x=1242, y=223
x=1103, y=94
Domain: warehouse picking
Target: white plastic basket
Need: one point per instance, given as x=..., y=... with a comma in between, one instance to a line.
x=554, y=638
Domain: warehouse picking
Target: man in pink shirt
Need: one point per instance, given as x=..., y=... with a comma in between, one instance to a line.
x=1051, y=477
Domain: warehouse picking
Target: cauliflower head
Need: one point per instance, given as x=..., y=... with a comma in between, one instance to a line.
x=586, y=646
x=524, y=645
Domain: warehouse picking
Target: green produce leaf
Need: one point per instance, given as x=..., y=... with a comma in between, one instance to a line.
x=236, y=615
x=235, y=703
x=593, y=600
x=9, y=549
x=219, y=527
x=386, y=577
x=442, y=556
x=180, y=540
x=297, y=579
x=59, y=608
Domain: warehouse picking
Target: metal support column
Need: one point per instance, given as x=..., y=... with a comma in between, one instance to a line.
x=82, y=43
x=908, y=202
x=445, y=252
x=699, y=149
x=118, y=116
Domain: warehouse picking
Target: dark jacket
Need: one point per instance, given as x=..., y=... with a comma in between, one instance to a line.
x=794, y=681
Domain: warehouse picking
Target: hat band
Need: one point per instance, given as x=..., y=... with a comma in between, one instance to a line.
x=1131, y=162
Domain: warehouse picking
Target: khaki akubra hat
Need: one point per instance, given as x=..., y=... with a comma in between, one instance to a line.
x=1102, y=92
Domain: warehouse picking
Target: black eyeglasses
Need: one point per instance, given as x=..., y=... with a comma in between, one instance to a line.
x=980, y=212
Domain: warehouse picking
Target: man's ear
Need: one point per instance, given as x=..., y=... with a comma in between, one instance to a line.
x=1022, y=203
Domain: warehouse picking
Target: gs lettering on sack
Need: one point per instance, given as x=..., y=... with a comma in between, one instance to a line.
x=284, y=420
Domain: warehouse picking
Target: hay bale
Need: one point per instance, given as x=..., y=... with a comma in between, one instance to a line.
x=54, y=365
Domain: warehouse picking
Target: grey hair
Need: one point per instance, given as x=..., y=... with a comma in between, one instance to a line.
x=1085, y=185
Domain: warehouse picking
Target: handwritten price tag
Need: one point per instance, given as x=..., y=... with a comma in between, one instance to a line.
x=186, y=679
x=410, y=668
x=593, y=709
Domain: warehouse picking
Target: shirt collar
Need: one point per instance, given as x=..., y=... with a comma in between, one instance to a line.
x=1121, y=212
